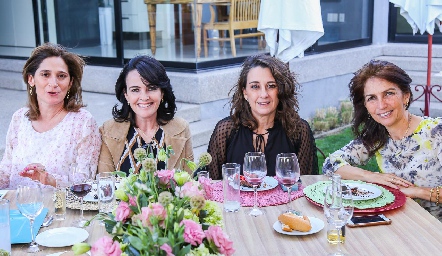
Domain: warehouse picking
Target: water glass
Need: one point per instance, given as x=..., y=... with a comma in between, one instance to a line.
x=231, y=184
x=106, y=191
x=5, y=241
x=60, y=200
x=203, y=174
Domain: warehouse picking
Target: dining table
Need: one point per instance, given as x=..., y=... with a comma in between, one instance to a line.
x=413, y=231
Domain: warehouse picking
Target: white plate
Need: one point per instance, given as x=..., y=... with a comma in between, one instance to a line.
x=267, y=184
x=317, y=225
x=365, y=191
x=61, y=237
x=90, y=197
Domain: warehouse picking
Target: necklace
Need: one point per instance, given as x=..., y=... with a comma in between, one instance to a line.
x=408, y=128
x=58, y=112
x=147, y=137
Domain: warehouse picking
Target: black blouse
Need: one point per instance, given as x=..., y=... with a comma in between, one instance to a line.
x=229, y=144
x=242, y=142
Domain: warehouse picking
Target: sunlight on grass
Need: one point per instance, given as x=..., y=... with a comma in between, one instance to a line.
x=334, y=142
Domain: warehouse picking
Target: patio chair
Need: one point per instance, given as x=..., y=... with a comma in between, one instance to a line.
x=243, y=15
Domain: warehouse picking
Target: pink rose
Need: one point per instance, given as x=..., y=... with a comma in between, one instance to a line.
x=165, y=176
x=123, y=211
x=154, y=210
x=106, y=247
x=167, y=249
x=133, y=200
x=221, y=240
x=193, y=232
x=207, y=187
x=190, y=189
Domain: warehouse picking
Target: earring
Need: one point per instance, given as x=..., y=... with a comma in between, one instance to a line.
x=406, y=104
x=30, y=90
x=162, y=100
x=67, y=95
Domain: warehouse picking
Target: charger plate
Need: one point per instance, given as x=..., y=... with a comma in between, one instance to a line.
x=390, y=199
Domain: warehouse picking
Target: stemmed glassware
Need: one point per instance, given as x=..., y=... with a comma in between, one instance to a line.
x=255, y=170
x=287, y=173
x=80, y=187
x=30, y=204
x=338, y=209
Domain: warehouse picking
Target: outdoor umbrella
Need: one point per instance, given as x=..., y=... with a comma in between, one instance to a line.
x=290, y=27
x=422, y=15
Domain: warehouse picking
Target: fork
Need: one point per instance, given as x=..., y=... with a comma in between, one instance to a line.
x=47, y=221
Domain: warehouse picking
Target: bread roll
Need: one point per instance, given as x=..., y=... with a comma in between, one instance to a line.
x=295, y=222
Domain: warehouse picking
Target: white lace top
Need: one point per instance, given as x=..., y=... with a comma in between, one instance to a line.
x=74, y=140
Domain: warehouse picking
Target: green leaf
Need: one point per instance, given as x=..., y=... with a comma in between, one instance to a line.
x=135, y=242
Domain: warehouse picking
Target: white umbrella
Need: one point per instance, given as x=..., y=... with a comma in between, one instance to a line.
x=298, y=23
x=422, y=15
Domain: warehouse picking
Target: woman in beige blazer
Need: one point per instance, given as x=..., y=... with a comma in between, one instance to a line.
x=145, y=118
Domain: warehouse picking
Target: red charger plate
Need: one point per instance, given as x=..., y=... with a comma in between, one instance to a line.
x=399, y=200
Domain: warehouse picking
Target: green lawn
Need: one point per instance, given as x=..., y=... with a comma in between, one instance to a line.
x=334, y=142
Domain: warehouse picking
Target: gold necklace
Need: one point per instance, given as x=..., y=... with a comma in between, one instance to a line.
x=408, y=128
x=147, y=137
x=58, y=112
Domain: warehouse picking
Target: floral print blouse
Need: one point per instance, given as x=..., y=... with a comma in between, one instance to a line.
x=416, y=158
x=74, y=140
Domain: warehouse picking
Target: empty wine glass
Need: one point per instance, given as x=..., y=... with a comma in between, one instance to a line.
x=338, y=209
x=30, y=204
x=255, y=170
x=287, y=173
x=79, y=186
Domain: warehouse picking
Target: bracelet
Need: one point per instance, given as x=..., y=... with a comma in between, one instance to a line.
x=431, y=193
x=437, y=195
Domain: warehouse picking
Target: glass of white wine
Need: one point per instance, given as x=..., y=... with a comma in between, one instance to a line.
x=338, y=209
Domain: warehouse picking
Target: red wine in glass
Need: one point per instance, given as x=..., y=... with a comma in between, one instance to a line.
x=286, y=181
x=81, y=190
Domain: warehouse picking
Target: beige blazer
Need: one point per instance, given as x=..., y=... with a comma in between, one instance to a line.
x=113, y=135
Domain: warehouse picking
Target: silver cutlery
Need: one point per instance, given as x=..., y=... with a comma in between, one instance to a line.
x=47, y=221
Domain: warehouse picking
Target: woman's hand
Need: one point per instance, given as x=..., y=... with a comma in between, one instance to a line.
x=411, y=191
x=37, y=172
x=390, y=180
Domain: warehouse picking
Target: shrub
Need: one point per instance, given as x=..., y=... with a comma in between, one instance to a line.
x=326, y=119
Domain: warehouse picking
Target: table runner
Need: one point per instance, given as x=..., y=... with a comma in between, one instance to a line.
x=275, y=196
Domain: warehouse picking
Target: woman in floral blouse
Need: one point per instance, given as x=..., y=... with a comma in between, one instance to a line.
x=408, y=148
x=54, y=130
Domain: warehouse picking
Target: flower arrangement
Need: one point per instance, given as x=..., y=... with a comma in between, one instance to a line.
x=162, y=212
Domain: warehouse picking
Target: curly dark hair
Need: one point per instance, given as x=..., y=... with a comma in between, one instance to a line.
x=152, y=72
x=287, y=109
x=75, y=65
x=372, y=134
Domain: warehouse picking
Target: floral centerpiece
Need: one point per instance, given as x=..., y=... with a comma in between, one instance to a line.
x=161, y=212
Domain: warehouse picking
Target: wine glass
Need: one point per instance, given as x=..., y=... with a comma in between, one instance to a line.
x=30, y=204
x=287, y=173
x=255, y=170
x=79, y=186
x=338, y=209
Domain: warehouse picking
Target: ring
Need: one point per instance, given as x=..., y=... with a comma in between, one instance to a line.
x=392, y=179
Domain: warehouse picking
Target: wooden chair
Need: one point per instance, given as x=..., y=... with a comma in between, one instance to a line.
x=243, y=15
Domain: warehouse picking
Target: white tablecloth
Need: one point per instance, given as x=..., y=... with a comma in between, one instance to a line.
x=422, y=15
x=299, y=23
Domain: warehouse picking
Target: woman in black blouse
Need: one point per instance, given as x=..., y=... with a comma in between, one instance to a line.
x=263, y=117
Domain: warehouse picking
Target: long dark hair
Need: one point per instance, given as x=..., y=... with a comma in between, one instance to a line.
x=374, y=135
x=287, y=109
x=151, y=71
x=75, y=65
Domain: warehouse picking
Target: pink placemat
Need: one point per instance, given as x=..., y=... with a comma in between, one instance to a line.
x=270, y=197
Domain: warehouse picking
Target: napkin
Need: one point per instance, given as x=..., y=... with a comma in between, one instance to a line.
x=20, y=227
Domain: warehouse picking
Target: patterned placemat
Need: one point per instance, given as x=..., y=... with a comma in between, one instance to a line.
x=270, y=197
x=73, y=202
x=315, y=193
